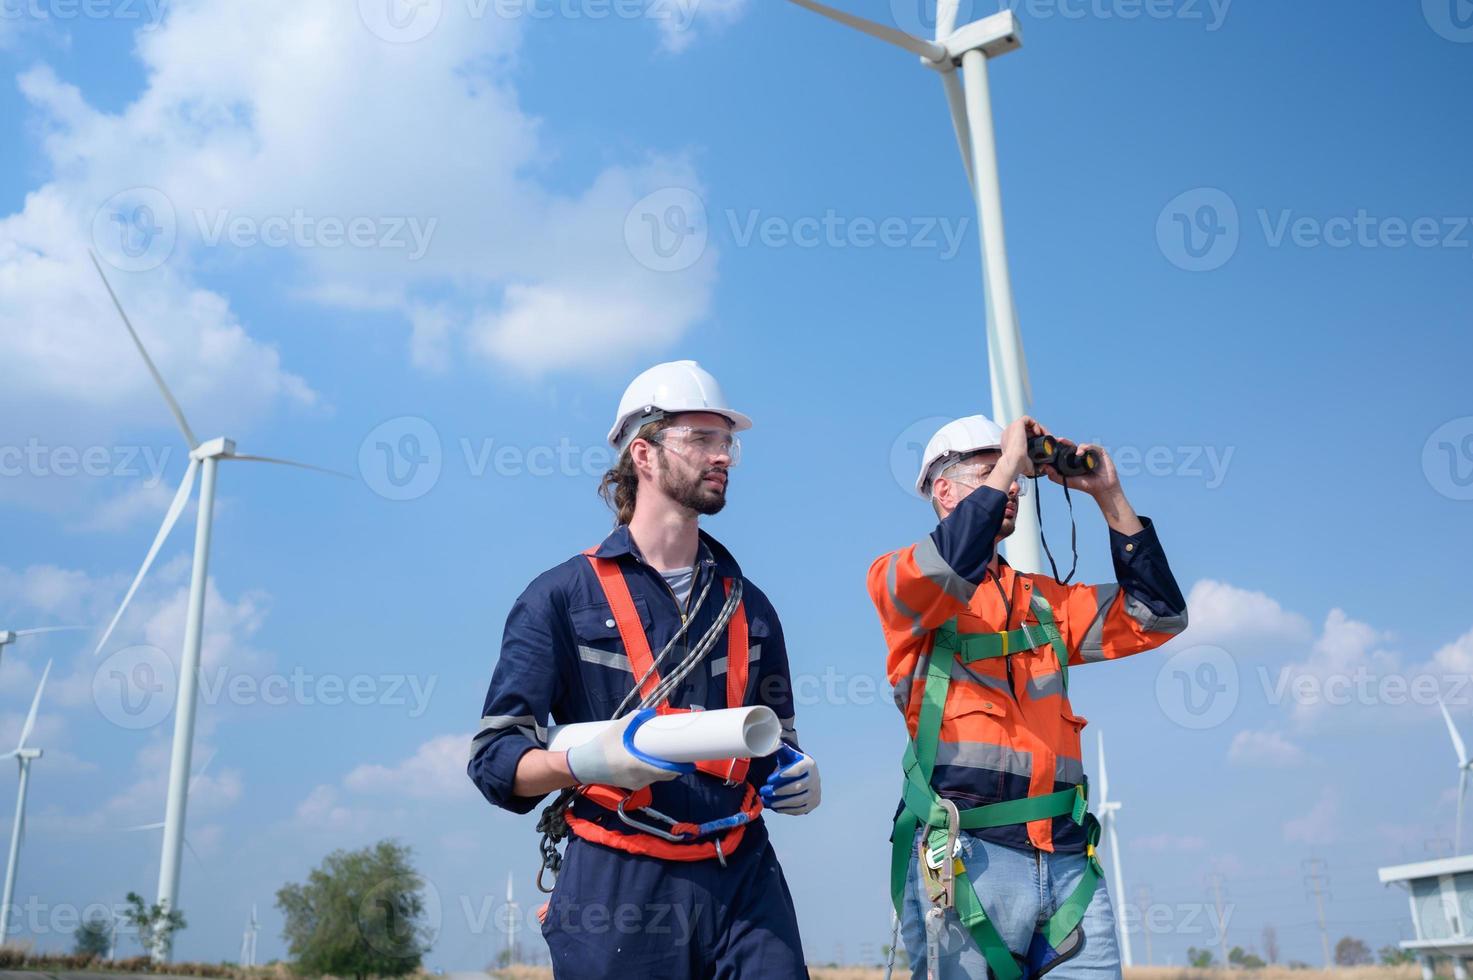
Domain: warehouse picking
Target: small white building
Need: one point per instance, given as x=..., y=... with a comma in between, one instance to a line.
x=1441, y=895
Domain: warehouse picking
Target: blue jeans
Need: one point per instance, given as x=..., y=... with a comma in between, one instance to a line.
x=1019, y=890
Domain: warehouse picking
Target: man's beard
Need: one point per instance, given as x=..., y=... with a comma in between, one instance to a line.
x=689, y=491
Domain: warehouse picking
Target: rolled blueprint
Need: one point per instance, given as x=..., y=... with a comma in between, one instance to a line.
x=689, y=736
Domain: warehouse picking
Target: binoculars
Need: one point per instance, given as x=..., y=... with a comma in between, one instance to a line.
x=1048, y=451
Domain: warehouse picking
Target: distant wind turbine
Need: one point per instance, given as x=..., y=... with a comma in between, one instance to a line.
x=7, y=637
x=24, y=756
x=969, y=48
x=1464, y=764
x=1107, y=810
x=203, y=459
x=248, y=941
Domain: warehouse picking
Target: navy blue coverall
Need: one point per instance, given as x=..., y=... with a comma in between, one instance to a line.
x=614, y=913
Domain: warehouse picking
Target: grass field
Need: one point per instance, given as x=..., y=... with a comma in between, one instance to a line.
x=1140, y=973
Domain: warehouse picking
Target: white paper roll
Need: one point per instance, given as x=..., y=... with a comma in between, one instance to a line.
x=693, y=736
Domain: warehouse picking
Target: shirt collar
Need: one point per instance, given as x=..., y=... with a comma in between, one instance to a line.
x=711, y=552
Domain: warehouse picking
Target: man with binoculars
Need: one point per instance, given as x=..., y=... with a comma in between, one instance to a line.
x=993, y=864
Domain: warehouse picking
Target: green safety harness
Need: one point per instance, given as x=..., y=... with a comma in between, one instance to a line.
x=946, y=877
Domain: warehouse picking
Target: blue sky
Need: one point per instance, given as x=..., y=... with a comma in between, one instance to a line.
x=1292, y=387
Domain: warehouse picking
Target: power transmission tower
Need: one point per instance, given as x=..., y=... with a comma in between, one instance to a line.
x=1318, y=881
x=1143, y=896
x=1215, y=880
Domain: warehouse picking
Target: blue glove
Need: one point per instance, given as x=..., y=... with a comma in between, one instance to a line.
x=793, y=787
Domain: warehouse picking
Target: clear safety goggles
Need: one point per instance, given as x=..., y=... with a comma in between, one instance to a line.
x=974, y=474
x=700, y=439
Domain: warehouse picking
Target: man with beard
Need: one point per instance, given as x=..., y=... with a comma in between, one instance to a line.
x=669, y=872
x=993, y=863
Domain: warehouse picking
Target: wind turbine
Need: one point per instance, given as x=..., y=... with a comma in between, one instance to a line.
x=969, y=48
x=513, y=927
x=1463, y=766
x=24, y=756
x=248, y=941
x=7, y=637
x=1107, y=810
x=204, y=457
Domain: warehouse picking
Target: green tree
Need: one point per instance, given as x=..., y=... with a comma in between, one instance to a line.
x=93, y=936
x=154, y=926
x=1350, y=951
x=1200, y=958
x=360, y=913
x=1395, y=956
x=1246, y=960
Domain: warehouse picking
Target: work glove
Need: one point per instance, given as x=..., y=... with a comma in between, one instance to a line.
x=612, y=760
x=793, y=786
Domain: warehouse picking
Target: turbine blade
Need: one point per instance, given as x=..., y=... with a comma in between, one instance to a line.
x=1458, y=833
x=157, y=378
x=47, y=629
x=25, y=731
x=194, y=854
x=946, y=18
x=288, y=462
x=1453, y=731
x=956, y=102
x=144, y=826
x=181, y=496
x=1104, y=773
x=929, y=50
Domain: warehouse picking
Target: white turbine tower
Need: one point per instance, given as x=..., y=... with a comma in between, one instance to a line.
x=1107, y=810
x=513, y=953
x=204, y=457
x=24, y=756
x=969, y=99
x=248, y=941
x=1464, y=764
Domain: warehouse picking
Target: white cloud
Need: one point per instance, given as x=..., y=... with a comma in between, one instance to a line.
x=435, y=771
x=678, y=19
x=1231, y=617
x=1265, y=749
x=1318, y=826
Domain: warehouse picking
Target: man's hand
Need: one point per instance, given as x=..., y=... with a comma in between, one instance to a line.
x=793, y=787
x=1014, y=462
x=612, y=760
x=1103, y=485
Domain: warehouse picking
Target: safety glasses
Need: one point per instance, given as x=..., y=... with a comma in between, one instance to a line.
x=699, y=439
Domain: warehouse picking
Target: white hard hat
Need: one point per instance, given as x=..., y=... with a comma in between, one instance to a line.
x=665, y=389
x=954, y=439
